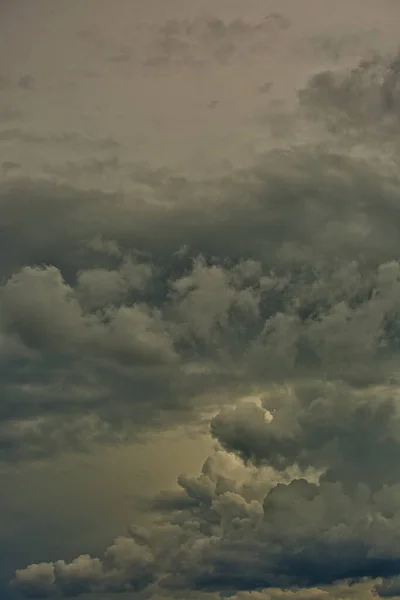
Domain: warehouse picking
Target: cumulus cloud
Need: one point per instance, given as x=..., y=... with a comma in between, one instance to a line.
x=352, y=436
x=289, y=272
x=126, y=566
x=281, y=279
x=43, y=311
x=292, y=531
x=249, y=323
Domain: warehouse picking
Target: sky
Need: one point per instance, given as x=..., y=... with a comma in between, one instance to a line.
x=199, y=299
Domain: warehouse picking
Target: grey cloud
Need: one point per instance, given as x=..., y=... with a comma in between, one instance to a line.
x=9, y=166
x=126, y=566
x=352, y=437
x=389, y=588
x=221, y=472
x=290, y=271
x=326, y=195
x=205, y=298
x=197, y=42
x=110, y=247
x=236, y=527
x=244, y=528
x=37, y=581
x=366, y=96
x=100, y=287
x=44, y=312
x=41, y=307
x=119, y=313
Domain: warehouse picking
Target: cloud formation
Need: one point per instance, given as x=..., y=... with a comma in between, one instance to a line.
x=284, y=271
x=282, y=279
x=246, y=528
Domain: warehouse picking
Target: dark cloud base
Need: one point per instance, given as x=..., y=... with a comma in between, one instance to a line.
x=283, y=280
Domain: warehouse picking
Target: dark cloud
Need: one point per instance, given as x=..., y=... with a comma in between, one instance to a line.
x=359, y=102
x=119, y=313
x=290, y=272
x=351, y=437
x=127, y=566
x=242, y=528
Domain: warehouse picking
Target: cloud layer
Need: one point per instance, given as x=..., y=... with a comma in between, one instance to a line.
x=282, y=279
x=284, y=271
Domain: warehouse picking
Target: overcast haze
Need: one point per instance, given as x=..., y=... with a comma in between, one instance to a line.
x=199, y=299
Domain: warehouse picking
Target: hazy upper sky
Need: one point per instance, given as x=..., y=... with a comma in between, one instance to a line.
x=199, y=299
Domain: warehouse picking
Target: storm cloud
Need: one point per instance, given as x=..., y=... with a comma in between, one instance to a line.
x=257, y=300
x=283, y=271
x=283, y=279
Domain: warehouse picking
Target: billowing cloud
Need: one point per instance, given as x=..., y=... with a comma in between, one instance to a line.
x=124, y=311
x=126, y=566
x=300, y=527
x=284, y=271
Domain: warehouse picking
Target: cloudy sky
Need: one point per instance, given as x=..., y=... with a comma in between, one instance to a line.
x=199, y=299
